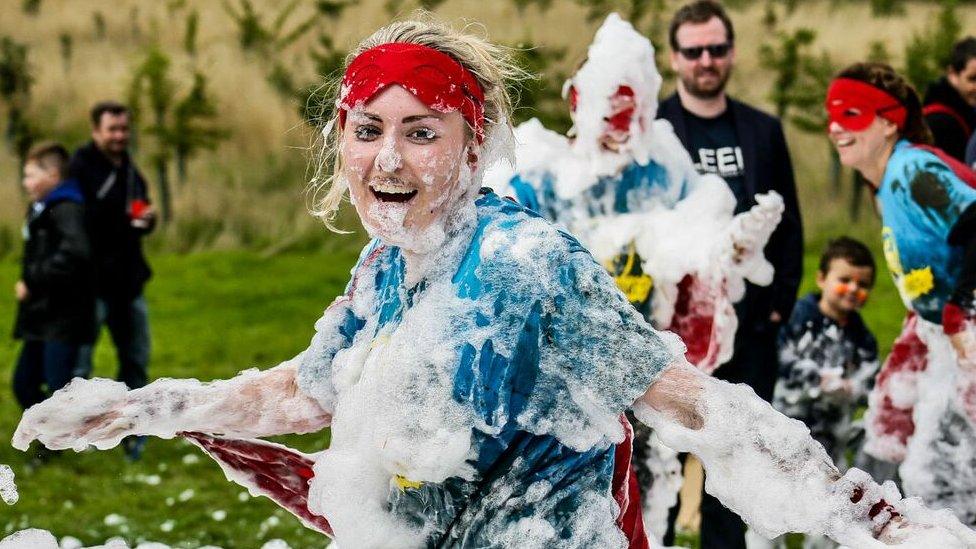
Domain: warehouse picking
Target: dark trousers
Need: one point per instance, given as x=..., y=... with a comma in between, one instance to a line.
x=754, y=363
x=128, y=324
x=43, y=364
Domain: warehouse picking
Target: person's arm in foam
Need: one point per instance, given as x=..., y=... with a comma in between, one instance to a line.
x=101, y=412
x=296, y=396
x=767, y=468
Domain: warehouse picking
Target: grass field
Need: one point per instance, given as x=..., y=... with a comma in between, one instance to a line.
x=213, y=314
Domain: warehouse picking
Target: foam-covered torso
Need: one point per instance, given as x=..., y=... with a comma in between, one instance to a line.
x=481, y=404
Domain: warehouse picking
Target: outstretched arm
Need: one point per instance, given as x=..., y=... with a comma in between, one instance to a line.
x=101, y=412
x=767, y=468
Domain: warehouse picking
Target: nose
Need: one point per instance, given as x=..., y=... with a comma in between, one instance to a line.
x=833, y=128
x=706, y=59
x=389, y=160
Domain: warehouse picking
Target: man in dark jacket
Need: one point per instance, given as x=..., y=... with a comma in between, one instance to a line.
x=55, y=294
x=747, y=148
x=950, y=101
x=119, y=215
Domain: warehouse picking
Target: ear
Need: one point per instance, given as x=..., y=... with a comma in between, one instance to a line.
x=890, y=129
x=472, y=154
x=821, y=279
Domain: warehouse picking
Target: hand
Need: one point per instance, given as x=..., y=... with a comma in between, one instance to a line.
x=738, y=252
x=890, y=519
x=146, y=218
x=964, y=343
x=21, y=291
x=775, y=317
x=93, y=412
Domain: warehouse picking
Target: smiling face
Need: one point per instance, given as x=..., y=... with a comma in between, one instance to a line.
x=845, y=287
x=112, y=133
x=408, y=167
x=862, y=149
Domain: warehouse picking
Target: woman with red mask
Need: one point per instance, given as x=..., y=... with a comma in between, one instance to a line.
x=922, y=411
x=475, y=371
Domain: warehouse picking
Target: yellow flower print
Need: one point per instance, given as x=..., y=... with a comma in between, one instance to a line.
x=918, y=282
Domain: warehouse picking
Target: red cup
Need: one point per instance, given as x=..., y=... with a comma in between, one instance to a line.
x=137, y=207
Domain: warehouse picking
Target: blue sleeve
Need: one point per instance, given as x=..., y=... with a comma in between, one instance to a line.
x=524, y=193
x=334, y=331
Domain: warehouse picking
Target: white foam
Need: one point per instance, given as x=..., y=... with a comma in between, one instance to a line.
x=8, y=489
x=766, y=468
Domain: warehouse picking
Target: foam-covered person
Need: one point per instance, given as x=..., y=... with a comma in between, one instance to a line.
x=922, y=411
x=623, y=184
x=827, y=355
x=476, y=369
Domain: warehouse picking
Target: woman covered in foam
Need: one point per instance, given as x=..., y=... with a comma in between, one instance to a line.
x=922, y=410
x=475, y=371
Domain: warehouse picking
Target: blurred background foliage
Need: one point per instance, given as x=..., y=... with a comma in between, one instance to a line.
x=228, y=94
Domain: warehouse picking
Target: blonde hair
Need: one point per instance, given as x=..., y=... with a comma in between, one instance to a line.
x=492, y=65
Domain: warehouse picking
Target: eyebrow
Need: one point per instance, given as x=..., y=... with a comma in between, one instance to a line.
x=417, y=117
x=406, y=119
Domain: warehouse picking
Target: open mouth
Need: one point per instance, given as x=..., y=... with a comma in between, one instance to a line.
x=844, y=142
x=386, y=192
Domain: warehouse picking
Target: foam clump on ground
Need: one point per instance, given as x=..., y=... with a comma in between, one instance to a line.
x=8, y=489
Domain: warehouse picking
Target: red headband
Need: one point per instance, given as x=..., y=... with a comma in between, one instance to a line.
x=431, y=76
x=853, y=104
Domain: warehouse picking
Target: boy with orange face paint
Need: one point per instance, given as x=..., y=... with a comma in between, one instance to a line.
x=828, y=357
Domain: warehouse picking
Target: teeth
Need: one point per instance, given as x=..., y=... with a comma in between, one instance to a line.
x=390, y=189
x=844, y=142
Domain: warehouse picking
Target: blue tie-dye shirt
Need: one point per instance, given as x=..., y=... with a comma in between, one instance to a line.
x=921, y=200
x=578, y=356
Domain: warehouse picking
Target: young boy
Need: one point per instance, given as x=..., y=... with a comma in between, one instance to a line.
x=56, y=311
x=828, y=358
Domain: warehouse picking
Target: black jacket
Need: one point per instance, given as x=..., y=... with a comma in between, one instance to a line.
x=120, y=266
x=768, y=168
x=951, y=130
x=57, y=269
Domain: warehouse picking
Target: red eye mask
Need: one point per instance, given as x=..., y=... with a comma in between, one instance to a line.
x=853, y=104
x=433, y=77
x=620, y=118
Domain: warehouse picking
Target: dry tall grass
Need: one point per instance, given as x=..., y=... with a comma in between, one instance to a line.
x=249, y=192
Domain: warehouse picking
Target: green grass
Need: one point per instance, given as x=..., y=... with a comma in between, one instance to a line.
x=213, y=314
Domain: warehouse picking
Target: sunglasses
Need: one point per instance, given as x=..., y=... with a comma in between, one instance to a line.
x=716, y=51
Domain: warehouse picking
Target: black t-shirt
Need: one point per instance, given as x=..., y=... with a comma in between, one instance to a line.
x=715, y=149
